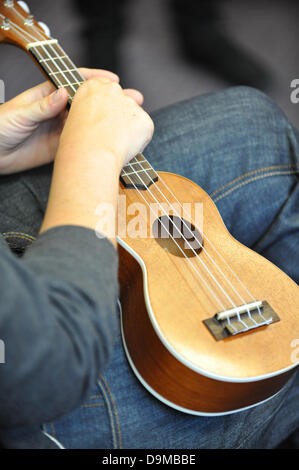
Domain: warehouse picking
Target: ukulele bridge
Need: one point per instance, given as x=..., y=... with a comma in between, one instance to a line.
x=241, y=319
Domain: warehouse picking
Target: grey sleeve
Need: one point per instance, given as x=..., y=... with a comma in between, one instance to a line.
x=58, y=322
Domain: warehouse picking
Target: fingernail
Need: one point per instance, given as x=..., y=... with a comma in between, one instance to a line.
x=56, y=96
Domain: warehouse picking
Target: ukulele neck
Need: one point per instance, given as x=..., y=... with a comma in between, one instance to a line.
x=57, y=65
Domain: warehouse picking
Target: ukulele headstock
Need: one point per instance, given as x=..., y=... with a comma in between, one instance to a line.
x=18, y=26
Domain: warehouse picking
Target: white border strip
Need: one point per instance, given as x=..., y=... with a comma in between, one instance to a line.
x=59, y=445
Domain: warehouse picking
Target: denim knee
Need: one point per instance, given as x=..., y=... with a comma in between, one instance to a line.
x=237, y=127
x=238, y=107
x=253, y=103
x=251, y=121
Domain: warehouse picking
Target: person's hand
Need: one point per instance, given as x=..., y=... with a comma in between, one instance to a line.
x=31, y=123
x=104, y=118
x=105, y=128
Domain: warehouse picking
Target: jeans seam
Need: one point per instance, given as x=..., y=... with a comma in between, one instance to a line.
x=251, y=180
x=22, y=236
x=115, y=413
x=105, y=393
x=92, y=405
x=94, y=397
x=250, y=173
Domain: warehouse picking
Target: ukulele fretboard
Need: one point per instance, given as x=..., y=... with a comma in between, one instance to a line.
x=57, y=65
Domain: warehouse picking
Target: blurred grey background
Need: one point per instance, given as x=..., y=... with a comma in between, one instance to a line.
x=150, y=53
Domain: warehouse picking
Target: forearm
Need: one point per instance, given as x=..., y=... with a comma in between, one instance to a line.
x=80, y=184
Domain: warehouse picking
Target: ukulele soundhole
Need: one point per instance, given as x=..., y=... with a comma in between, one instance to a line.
x=177, y=236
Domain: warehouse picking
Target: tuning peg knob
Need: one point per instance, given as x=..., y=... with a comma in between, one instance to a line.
x=24, y=6
x=45, y=28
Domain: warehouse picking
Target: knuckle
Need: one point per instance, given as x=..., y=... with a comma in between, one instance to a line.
x=149, y=122
x=130, y=100
x=84, y=88
x=42, y=106
x=97, y=83
x=144, y=118
x=115, y=87
x=91, y=84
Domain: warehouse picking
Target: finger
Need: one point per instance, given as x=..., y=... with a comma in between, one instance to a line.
x=45, y=108
x=135, y=94
x=91, y=73
x=33, y=94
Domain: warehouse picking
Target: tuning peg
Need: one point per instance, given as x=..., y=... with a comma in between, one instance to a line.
x=45, y=28
x=24, y=6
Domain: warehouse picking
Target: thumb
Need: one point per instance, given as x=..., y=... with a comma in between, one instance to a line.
x=48, y=107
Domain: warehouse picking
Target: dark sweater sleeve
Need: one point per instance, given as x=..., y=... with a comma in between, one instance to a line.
x=58, y=322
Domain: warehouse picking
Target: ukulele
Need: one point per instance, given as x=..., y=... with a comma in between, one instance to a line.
x=209, y=327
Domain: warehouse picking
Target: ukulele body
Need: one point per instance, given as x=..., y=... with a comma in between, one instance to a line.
x=164, y=302
x=166, y=294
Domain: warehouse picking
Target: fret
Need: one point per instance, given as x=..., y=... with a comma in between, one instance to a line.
x=70, y=84
x=142, y=178
x=144, y=170
x=55, y=73
x=132, y=163
x=51, y=59
x=139, y=159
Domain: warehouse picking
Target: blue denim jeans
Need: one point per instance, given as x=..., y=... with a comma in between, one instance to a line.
x=239, y=147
